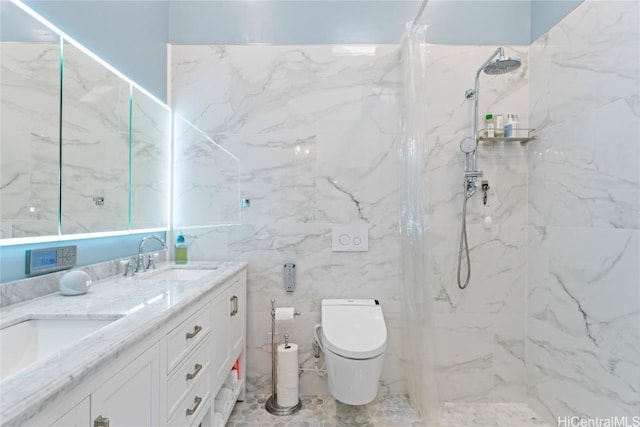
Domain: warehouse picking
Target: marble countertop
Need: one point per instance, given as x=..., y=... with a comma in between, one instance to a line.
x=140, y=304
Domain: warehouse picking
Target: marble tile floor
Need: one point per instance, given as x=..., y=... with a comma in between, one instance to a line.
x=324, y=411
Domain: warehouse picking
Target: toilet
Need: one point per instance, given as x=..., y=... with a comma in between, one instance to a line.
x=354, y=338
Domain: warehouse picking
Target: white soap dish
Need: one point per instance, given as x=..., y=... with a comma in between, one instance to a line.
x=75, y=282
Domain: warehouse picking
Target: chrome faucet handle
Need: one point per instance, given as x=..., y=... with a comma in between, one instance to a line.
x=140, y=264
x=140, y=267
x=151, y=263
x=128, y=270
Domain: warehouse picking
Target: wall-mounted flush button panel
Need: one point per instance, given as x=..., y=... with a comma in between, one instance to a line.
x=41, y=261
x=289, y=277
x=350, y=238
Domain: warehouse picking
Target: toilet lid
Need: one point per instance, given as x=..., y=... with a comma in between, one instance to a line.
x=353, y=328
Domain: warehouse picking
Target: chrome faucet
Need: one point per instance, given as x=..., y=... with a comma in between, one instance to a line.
x=140, y=264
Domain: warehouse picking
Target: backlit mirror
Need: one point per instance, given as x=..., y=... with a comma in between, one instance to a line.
x=82, y=148
x=150, y=162
x=30, y=132
x=95, y=146
x=206, y=175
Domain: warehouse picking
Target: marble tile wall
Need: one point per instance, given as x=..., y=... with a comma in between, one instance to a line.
x=150, y=157
x=315, y=129
x=480, y=330
x=30, y=94
x=583, y=299
x=208, y=177
x=95, y=146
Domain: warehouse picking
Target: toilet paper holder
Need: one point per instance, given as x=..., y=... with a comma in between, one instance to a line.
x=272, y=404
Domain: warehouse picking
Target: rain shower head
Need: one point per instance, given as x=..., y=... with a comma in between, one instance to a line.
x=502, y=65
x=497, y=64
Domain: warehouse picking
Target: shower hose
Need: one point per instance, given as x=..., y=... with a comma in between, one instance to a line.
x=464, y=244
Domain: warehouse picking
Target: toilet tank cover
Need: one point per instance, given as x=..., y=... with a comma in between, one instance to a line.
x=353, y=328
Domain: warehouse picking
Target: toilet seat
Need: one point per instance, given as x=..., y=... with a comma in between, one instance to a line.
x=353, y=328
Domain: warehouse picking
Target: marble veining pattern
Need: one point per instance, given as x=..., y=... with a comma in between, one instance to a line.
x=30, y=111
x=315, y=129
x=150, y=157
x=583, y=296
x=33, y=287
x=140, y=308
x=95, y=146
x=316, y=132
x=207, y=179
x=490, y=311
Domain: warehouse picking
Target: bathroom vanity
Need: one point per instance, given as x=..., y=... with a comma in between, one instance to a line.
x=150, y=350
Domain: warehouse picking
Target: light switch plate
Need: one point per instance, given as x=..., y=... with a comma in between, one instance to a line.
x=350, y=238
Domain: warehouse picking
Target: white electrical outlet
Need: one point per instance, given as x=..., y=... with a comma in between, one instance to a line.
x=350, y=238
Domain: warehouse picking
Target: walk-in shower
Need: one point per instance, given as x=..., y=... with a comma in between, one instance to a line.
x=495, y=65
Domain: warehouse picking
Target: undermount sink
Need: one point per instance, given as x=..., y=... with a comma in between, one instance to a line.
x=180, y=274
x=27, y=342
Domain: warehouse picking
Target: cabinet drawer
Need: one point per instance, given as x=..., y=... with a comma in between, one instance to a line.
x=185, y=377
x=187, y=335
x=190, y=409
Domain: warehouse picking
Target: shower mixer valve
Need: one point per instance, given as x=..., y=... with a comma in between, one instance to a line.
x=485, y=190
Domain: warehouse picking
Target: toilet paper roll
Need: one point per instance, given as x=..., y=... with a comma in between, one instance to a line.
x=284, y=313
x=287, y=374
x=286, y=397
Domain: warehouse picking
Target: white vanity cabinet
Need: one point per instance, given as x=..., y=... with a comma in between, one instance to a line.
x=186, y=388
x=171, y=377
x=229, y=311
x=130, y=397
x=78, y=416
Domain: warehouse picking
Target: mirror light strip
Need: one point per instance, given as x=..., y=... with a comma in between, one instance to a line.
x=179, y=117
x=82, y=236
x=78, y=45
x=64, y=38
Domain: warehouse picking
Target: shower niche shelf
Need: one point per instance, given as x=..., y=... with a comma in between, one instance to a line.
x=522, y=136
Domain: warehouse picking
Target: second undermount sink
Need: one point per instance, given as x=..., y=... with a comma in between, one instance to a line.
x=181, y=273
x=27, y=342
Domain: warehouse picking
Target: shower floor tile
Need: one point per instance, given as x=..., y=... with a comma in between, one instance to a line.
x=392, y=411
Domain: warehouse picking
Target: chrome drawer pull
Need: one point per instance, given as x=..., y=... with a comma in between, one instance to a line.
x=191, y=376
x=195, y=332
x=234, y=310
x=191, y=411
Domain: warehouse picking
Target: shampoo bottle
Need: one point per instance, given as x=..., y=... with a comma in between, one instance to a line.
x=508, y=127
x=181, y=250
x=499, y=129
x=490, y=126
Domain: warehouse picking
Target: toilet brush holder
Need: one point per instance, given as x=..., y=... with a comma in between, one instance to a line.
x=272, y=403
